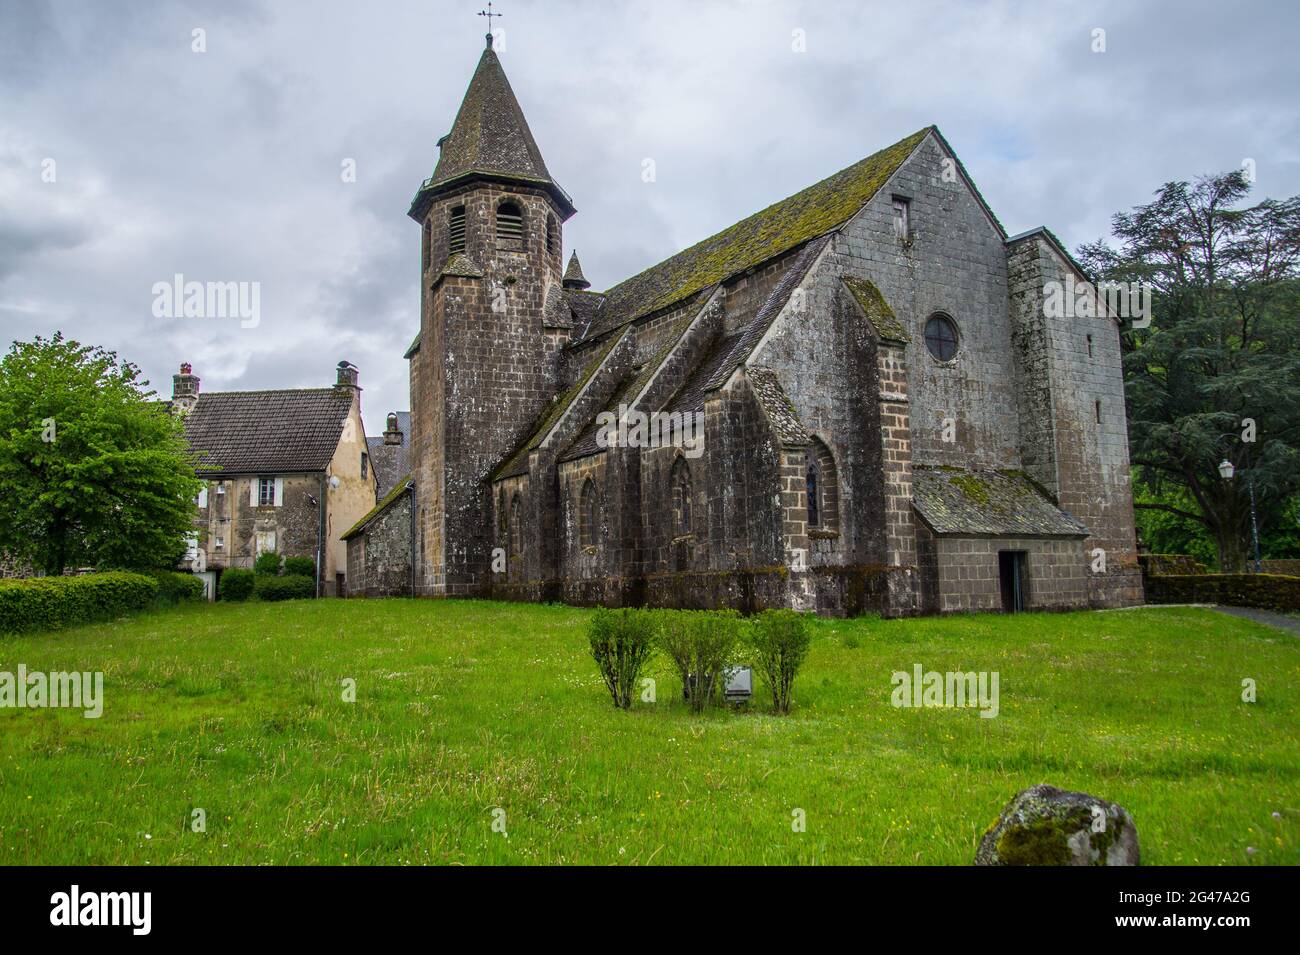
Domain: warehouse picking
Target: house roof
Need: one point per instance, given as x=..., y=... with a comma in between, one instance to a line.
x=964, y=502
x=490, y=138
x=819, y=209
x=400, y=488
x=389, y=461
x=267, y=432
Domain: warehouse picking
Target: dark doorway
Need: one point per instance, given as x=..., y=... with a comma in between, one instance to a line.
x=1013, y=574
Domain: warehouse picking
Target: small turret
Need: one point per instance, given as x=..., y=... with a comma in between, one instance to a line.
x=573, y=277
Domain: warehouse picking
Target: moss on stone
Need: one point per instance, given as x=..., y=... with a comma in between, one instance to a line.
x=389, y=498
x=877, y=310
x=976, y=491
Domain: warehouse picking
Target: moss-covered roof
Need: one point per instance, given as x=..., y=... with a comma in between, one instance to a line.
x=776, y=404
x=518, y=461
x=877, y=310
x=461, y=265
x=489, y=138
x=988, y=503
x=398, y=490
x=791, y=222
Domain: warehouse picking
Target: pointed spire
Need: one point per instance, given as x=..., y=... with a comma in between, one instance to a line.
x=573, y=277
x=491, y=139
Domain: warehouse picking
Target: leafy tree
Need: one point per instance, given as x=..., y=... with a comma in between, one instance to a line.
x=1217, y=373
x=92, y=470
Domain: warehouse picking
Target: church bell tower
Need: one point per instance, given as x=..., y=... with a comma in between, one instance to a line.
x=491, y=220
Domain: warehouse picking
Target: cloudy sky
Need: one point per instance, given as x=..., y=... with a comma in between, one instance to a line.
x=226, y=165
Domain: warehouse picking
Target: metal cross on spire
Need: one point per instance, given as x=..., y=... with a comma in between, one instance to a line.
x=489, y=14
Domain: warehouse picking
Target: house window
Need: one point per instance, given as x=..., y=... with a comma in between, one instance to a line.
x=510, y=227
x=902, y=219
x=941, y=337
x=428, y=244
x=680, y=482
x=822, y=484
x=203, y=496
x=221, y=488
x=218, y=543
x=365, y=465
x=266, y=492
x=456, y=232
x=587, y=515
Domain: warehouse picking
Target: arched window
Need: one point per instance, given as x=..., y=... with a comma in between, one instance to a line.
x=587, y=515
x=680, y=481
x=516, y=527
x=510, y=226
x=941, y=337
x=552, y=235
x=428, y=243
x=823, y=488
x=456, y=231
x=503, y=525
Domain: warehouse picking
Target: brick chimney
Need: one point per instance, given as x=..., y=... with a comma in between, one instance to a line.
x=185, y=389
x=347, y=376
x=392, y=434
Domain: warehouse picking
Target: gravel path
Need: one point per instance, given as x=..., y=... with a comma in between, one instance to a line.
x=1266, y=617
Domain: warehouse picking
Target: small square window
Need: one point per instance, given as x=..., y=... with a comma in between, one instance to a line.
x=218, y=543
x=221, y=487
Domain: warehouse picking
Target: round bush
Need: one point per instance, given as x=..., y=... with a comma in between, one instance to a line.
x=236, y=584
x=267, y=563
x=288, y=587
x=303, y=566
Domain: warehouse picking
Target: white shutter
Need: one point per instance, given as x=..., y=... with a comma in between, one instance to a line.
x=203, y=496
x=279, y=492
x=252, y=492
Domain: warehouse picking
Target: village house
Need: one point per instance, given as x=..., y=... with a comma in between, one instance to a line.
x=286, y=471
x=892, y=421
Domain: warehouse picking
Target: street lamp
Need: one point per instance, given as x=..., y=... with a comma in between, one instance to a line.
x=1226, y=471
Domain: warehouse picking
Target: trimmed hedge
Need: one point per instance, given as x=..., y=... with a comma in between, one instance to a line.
x=236, y=584
x=288, y=587
x=267, y=563
x=1265, y=591
x=304, y=566
x=50, y=603
x=174, y=587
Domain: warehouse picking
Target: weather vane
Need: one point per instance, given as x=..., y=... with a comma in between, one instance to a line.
x=489, y=14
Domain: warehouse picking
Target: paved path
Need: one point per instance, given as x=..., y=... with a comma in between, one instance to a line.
x=1266, y=617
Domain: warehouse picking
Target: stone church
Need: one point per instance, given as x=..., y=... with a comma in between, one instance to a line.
x=852, y=401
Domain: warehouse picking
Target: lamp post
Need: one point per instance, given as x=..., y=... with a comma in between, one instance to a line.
x=1226, y=470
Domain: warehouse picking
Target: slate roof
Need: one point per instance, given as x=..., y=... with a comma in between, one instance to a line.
x=489, y=138
x=777, y=405
x=877, y=310
x=988, y=503
x=817, y=210
x=267, y=432
x=390, y=461
x=573, y=276
x=401, y=487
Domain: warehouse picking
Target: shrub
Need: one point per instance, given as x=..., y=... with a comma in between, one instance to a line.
x=701, y=644
x=303, y=566
x=267, y=562
x=780, y=640
x=175, y=587
x=48, y=603
x=288, y=587
x=1265, y=591
x=236, y=584
x=622, y=642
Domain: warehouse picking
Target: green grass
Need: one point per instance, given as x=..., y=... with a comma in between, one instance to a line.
x=466, y=707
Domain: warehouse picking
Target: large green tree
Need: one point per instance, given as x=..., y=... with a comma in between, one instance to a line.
x=93, y=471
x=1216, y=375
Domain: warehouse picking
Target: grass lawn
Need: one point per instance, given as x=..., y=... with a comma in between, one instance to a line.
x=467, y=707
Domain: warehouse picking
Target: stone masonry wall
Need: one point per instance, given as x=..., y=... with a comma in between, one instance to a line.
x=968, y=578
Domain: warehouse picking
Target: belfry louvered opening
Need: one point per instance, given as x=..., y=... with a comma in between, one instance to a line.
x=510, y=226
x=456, y=231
